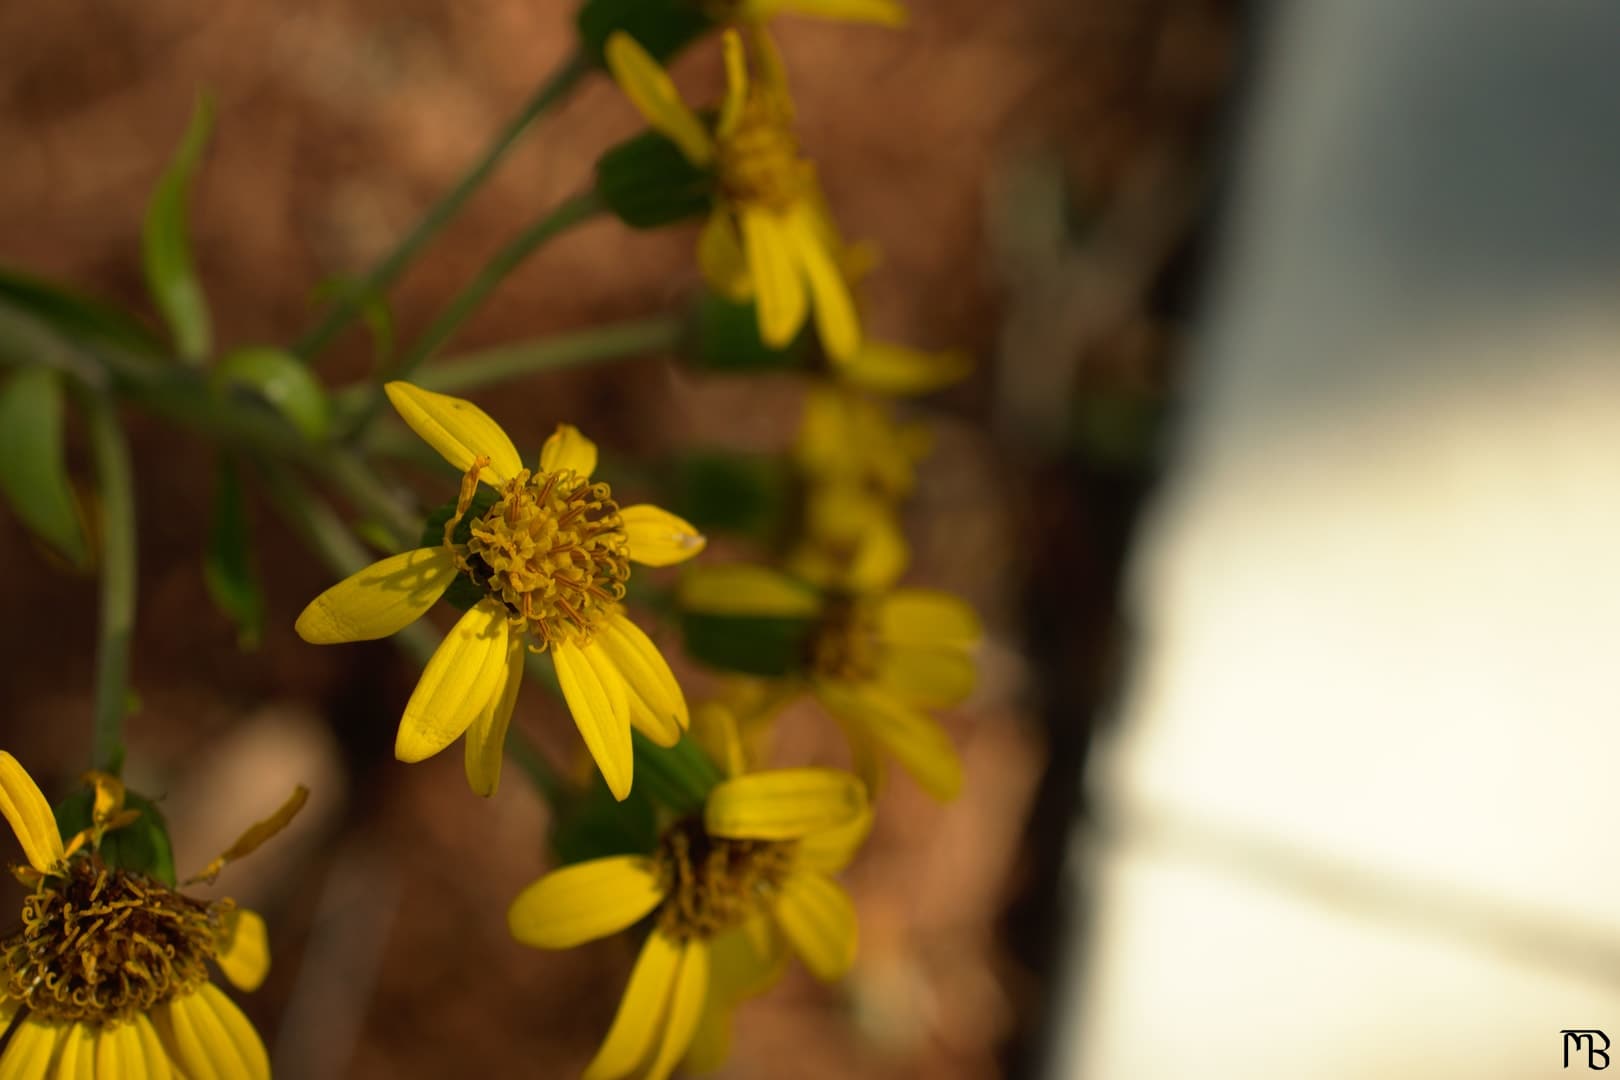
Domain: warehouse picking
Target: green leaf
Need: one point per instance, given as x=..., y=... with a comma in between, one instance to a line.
x=76, y=316
x=743, y=493
x=596, y=825
x=725, y=337
x=141, y=847
x=280, y=380
x=662, y=27
x=647, y=182
x=166, y=246
x=463, y=593
x=372, y=303
x=770, y=645
x=33, y=462
x=229, y=566
x=679, y=777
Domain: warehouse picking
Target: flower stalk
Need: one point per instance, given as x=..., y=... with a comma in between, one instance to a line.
x=117, y=619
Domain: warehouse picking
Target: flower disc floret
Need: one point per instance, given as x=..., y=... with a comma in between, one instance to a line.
x=716, y=883
x=552, y=550
x=99, y=945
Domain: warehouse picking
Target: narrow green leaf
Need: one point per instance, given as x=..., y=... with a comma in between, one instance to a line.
x=166, y=246
x=33, y=464
x=647, y=183
x=372, y=304
x=718, y=490
x=595, y=825
x=680, y=776
x=77, y=316
x=725, y=337
x=229, y=566
x=751, y=644
x=663, y=27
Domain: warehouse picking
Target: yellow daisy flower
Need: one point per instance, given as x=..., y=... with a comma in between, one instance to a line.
x=551, y=556
x=726, y=890
x=878, y=664
x=108, y=974
x=770, y=236
x=880, y=12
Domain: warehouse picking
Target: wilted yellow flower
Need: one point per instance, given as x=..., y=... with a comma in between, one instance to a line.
x=770, y=236
x=878, y=663
x=734, y=725
x=881, y=12
x=883, y=367
x=108, y=974
x=551, y=556
x=725, y=891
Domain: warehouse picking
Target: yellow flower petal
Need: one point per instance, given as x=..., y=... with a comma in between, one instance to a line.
x=457, y=429
x=879, y=12
x=466, y=670
x=830, y=850
x=929, y=678
x=784, y=804
x=380, y=600
x=742, y=963
x=641, y=1011
x=585, y=901
x=884, y=368
x=75, y=1054
x=650, y=90
x=744, y=589
x=210, y=1039
x=927, y=617
x=600, y=705
x=147, y=1048
x=29, y=815
x=659, y=538
x=120, y=1054
x=486, y=737
x=244, y=955
x=731, y=106
x=720, y=257
x=657, y=705
x=715, y=728
x=834, y=308
x=567, y=448
x=779, y=293
x=685, y=1009
x=29, y=1054
x=818, y=920
x=911, y=736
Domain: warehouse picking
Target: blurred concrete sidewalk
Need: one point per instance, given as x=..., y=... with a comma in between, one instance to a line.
x=1359, y=817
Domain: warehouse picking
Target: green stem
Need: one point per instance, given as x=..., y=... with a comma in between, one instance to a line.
x=548, y=94
x=564, y=216
x=557, y=353
x=117, y=494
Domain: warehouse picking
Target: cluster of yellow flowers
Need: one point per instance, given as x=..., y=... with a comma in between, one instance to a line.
x=109, y=974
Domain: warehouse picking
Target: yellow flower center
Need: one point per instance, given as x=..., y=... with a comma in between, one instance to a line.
x=99, y=945
x=552, y=550
x=759, y=161
x=845, y=643
x=716, y=883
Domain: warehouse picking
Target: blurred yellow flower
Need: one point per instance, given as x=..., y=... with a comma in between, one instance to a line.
x=881, y=12
x=898, y=370
x=551, y=556
x=770, y=236
x=726, y=891
x=107, y=974
x=878, y=664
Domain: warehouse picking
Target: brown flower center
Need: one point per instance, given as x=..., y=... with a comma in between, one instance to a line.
x=845, y=644
x=100, y=945
x=716, y=883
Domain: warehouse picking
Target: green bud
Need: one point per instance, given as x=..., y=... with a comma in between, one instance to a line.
x=141, y=847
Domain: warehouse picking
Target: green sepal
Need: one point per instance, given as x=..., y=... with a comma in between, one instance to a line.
x=725, y=337
x=769, y=645
x=595, y=825
x=719, y=491
x=662, y=27
x=141, y=847
x=33, y=462
x=166, y=245
x=463, y=593
x=230, y=568
x=76, y=316
x=271, y=376
x=647, y=183
x=677, y=777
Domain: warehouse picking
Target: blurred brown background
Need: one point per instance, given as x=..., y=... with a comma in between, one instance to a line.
x=338, y=123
